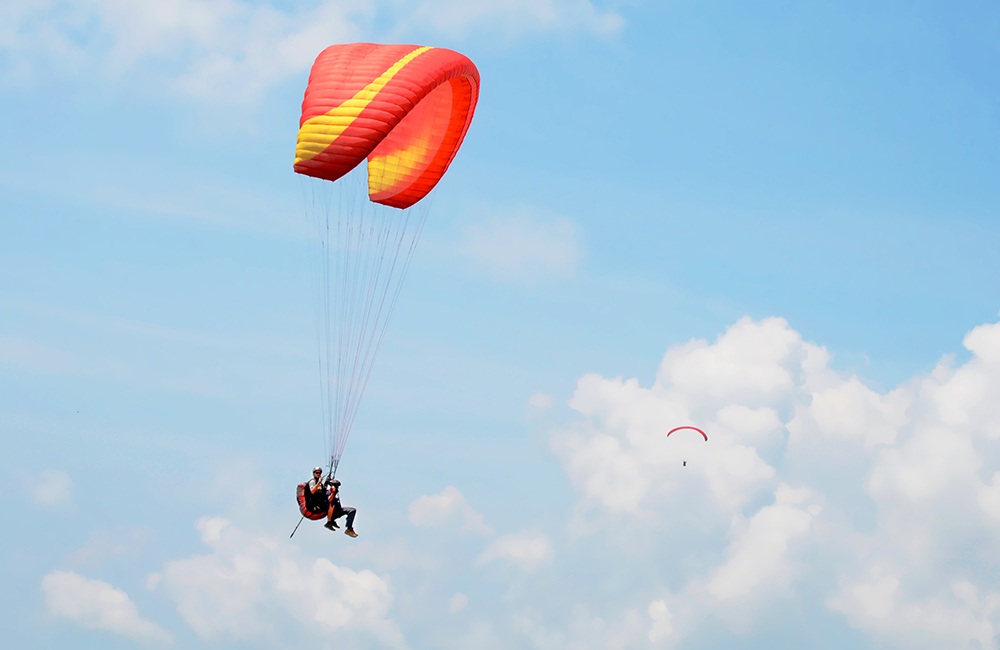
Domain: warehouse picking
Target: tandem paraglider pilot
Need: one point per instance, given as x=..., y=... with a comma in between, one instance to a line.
x=318, y=498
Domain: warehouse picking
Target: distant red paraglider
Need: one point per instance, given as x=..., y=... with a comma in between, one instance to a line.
x=692, y=428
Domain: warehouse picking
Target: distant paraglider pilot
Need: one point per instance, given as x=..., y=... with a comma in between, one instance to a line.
x=337, y=511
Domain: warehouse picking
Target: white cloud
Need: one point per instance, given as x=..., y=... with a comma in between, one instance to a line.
x=96, y=605
x=436, y=510
x=156, y=363
x=541, y=401
x=753, y=363
x=388, y=554
x=852, y=410
x=248, y=586
x=625, y=464
x=951, y=619
x=527, y=550
x=661, y=627
x=584, y=631
x=523, y=246
x=924, y=465
x=211, y=528
x=961, y=398
x=52, y=488
x=881, y=506
x=234, y=50
x=989, y=496
x=511, y=17
x=758, y=557
x=220, y=49
x=458, y=602
x=37, y=357
x=607, y=474
x=755, y=427
x=259, y=46
x=904, y=478
x=116, y=542
x=480, y=634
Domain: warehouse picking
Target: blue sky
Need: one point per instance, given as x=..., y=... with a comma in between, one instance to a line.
x=776, y=221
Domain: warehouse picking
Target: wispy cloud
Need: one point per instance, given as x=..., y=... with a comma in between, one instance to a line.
x=218, y=363
x=527, y=550
x=52, y=488
x=37, y=356
x=515, y=17
x=522, y=245
x=150, y=190
x=541, y=401
x=117, y=542
x=233, y=50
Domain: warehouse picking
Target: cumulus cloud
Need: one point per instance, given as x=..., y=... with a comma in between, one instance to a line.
x=625, y=464
x=758, y=556
x=248, y=586
x=52, y=488
x=523, y=246
x=527, y=550
x=97, y=605
x=954, y=618
x=235, y=49
x=926, y=463
x=446, y=507
x=880, y=508
x=890, y=497
x=852, y=410
x=753, y=363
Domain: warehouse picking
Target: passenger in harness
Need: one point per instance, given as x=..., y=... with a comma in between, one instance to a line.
x=337, y=511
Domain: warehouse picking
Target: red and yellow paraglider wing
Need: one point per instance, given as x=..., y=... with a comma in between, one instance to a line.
x=405, y=108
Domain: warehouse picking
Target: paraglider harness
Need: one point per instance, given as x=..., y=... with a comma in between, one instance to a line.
x=312, y=505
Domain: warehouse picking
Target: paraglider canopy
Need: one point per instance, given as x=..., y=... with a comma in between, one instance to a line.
x=675, y=429
x=404, y=110
x=692, y=428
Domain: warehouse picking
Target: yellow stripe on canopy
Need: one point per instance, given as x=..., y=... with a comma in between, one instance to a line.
x=318, y=133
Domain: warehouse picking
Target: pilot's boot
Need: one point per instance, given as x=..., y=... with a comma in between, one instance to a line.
x=350, y=531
